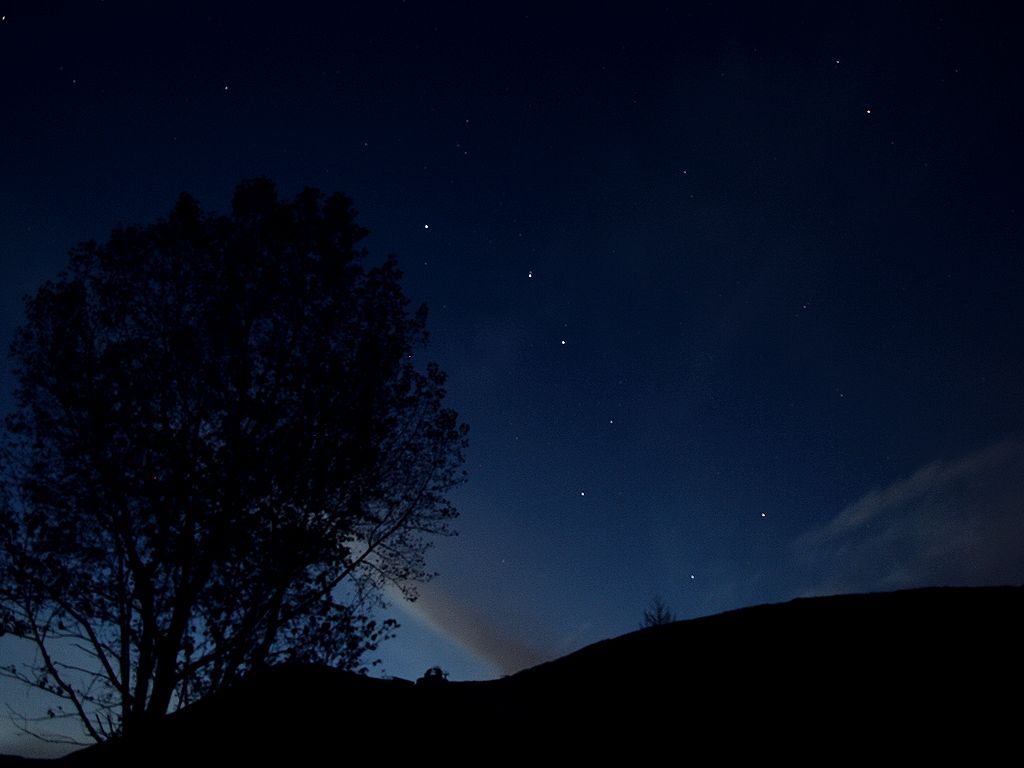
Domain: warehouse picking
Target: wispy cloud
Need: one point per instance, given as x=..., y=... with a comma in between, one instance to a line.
x=951, y=522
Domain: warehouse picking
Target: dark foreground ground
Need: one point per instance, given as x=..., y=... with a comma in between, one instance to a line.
x=904, y=675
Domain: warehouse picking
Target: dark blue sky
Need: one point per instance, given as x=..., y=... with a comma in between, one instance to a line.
x=730, y=297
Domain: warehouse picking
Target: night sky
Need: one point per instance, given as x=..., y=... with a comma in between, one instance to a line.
x=729, y=297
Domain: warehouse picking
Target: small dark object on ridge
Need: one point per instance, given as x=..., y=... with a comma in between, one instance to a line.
x=433, y=676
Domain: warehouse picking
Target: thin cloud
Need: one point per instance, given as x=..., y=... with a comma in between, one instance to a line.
x=957, y=522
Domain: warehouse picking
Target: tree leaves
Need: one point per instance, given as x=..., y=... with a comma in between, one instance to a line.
x=222, y=449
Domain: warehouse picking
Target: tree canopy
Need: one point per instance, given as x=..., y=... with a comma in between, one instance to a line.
x=222, y=449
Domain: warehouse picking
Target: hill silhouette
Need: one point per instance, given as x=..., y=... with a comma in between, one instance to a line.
x=914, y=672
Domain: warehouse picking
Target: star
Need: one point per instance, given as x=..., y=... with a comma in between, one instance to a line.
x=583, y=493
x=563, y=342
x=763, y=515
x=529, y=273
x=426, y=226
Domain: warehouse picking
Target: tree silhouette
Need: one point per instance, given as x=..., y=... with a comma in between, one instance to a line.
x=656, y=613
x=221, y=452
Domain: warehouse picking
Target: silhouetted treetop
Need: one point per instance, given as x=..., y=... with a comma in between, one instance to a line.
x=222, y=450
x=657, y=613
